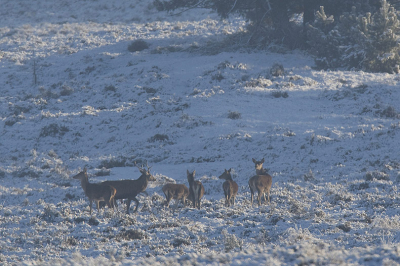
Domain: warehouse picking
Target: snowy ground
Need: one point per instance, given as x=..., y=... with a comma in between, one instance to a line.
x=74, y=96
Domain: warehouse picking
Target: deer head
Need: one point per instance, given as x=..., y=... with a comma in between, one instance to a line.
x=145, y=172
x=258, y=164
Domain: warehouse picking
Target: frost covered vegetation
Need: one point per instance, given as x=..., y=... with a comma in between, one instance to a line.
x=80, y=90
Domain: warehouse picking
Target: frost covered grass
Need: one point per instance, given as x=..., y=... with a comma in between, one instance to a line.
x=330, y=141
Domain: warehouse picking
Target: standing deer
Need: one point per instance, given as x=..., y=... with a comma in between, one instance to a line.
x=196, y=189
x=176, y=192
x=129, y=189
x=230, y=187
x=261, y=182
x=96, y=192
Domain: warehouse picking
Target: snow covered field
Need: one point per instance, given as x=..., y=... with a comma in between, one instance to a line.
x=74, y=96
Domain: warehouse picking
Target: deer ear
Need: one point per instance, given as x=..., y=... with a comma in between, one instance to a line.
x=230, y=169
x=254, y=160
x=262, y=160
x=84, y=170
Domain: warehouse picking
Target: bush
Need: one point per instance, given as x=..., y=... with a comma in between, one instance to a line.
x=370, y=176
x=158, y=137
x=234, y=115
x=66, y=90
x=277, y=70
x=131, y=234
x=53, y=130
x=137, y=46
x=112, y=162
x=357, y=41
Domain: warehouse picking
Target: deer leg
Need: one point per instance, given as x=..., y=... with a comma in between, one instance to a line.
x=137, y=204
x=90, y=206
x=184, y=201
x=169, y=197
x=166, y=203
x=98, y=205
x=115, y=204
x=252, y=195
x=198, y=200
x=259, y=198
x=110, y=203
x=128, y=204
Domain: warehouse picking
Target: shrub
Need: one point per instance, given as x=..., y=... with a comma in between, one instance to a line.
x=158, y=137
x=49, y=214
x=309, y=176
x=230, y=241
x=389, y=112
x=66, y=90
x=277, y=70
x=234, y=115
x=113, y=162
x=53, y=130
x=376, y=175
x=179, y=241
x=346, y=227
x=110, y=88
x=93, y=221
x=131, y=234
x=279, y=94
x=360, y=41
x=137, y=46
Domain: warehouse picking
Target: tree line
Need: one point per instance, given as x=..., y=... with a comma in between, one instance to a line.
x=341, y=34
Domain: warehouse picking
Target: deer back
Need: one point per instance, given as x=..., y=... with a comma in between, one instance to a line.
x=131, y=188
x=95, y=191
x=198, y=186
x=177, y=191
x=261, y=182
x=124, y=188
x=230, y=187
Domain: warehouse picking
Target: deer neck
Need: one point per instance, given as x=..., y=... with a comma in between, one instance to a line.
x=143, y=182
x=84, y=183
x=191, y=182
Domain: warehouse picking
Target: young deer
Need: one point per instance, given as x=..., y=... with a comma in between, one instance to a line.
x=230, y=187
x=96, y=192
x=196, y=189
x=261, y=182
x=259, y=167
x=176, y=192
x=129, y=189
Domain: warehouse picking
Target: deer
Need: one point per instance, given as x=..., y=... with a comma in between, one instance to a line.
x=129, y=189
x=230, y=187
x=176, y=192
x=261, y=182
x=196, y=189
x=96, y=191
